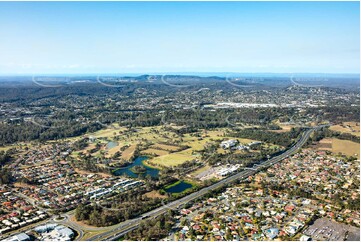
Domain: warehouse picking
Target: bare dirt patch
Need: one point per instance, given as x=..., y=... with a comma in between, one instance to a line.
x=21, y=184
x=339, y=146
x=155, y=194
x=82, y=172
x=325, y=144
x=346, y=147
x=128, y=153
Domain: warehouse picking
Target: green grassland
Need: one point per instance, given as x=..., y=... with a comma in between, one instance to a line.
x=166, y=148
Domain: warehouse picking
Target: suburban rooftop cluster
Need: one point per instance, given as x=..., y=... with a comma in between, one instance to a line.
x=17, y=211
x=58, y=186
x=258, y=209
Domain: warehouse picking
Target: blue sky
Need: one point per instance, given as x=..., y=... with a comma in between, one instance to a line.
x=145, y=37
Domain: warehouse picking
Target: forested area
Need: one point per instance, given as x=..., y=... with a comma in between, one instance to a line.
x=67, y=126
x=123, y=208
x=5, y=176
x=153, y=229
x=4, y=157
x=28, y=131
x=33, y=112
x=327, y=133
x=337, y=113
x=284, y=139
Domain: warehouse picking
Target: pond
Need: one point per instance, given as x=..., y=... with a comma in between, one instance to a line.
x=178, y=187
x=137, y=162
x=111, y=144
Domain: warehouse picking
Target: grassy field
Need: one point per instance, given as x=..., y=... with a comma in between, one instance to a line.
x=166, y=147
x=155, y=194
x=107, y=132
x=200, y=170
x=112, y=151
x=325, y=144
x=129, y=152
x=285, y=127
x=173, y=159
x=346, y=147
x=5, y=148
x=125, y=137
x=155, y=151
x=23, y=144
x=89, y=148
x=337, y=145
x=347, y=127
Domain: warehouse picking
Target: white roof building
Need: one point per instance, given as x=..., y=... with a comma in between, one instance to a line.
x=59, y=233
x=229, y=143
x=19, y=237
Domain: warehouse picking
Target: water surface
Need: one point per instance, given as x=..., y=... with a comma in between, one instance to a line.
x=180, y=187
x=137, y=162
x=112, y=144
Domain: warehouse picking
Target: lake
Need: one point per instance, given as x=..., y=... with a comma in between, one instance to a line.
x=111, y=144
x=137, y=162
x=180, y=187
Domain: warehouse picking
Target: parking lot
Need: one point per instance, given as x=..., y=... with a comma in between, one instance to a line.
x=326, y=229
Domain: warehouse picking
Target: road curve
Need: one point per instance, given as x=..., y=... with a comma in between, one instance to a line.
x=129, y=225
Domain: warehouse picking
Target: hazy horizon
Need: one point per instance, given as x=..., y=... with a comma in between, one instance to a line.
x=219, y=74
x=179, y=37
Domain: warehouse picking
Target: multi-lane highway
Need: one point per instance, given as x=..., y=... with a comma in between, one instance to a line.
x=126, y=226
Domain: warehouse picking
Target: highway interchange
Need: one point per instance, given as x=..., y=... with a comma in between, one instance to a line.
x=120, y=229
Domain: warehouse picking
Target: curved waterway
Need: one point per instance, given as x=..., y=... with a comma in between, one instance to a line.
x=137, y=162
